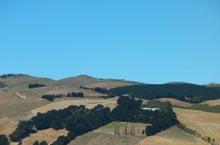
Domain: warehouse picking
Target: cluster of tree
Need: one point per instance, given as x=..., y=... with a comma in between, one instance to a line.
x=107, y=97
x=24, y=129
x=101, y=90
x=76, y=119
x=40, y=143
x=185, y=92
x=130, y=110
x=75, y=94
x=4, y=76
x=51, y=97
x=4, y=140
x=97, y=89
x=78, y=124
x=31, y=86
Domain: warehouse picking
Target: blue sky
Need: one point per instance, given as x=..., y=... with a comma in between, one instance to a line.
x=152, y=41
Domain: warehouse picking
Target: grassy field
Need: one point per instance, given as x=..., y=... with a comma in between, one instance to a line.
x=19, y=107
x=7, y=125
x=176, y=102
x=172, y=136
x=105, y=135
x=205, y=123
x=212, y=102
x=89, y=103
x=49, y=135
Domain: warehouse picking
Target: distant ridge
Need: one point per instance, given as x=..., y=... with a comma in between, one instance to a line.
x=21, y=80
x=4, y=76
x=213, y=85
x=77, y=81
x=176, y=83
x=83, y=79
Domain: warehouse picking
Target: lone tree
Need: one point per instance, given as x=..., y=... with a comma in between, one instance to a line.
x=4, y=140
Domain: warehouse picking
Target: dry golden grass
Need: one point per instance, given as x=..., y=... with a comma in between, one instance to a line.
x=89, y=103
x=105, y=135
x=176, y=102
x=6, y=97
x=7, y=125
x=212, y=102
x=76, y=81
x=19, y=107
x=49, y=135
x=24, y=81
x=65, y=90
x=205, y=123
x=172, y=136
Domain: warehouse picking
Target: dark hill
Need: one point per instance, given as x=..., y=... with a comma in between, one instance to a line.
x=184, y=92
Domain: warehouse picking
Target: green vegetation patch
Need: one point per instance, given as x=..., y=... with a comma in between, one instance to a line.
x=203, y=107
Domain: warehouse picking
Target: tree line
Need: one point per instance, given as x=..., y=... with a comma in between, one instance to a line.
x=36, y=85
x=4, y=76
x=97, y=89
x=51, y=97
x=100, y=90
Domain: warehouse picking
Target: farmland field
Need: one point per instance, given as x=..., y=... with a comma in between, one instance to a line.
x=105, y=135
x=172, y=136
x=205, y=123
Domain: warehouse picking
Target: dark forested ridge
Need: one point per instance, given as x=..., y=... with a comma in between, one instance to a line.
x=184, y=92
x=4, y=76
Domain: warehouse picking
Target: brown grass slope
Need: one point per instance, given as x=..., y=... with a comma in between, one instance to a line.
x=105, y=135
x=176, y=102
x=205, y=123
x=48, y=135
x=212, y=102
x=77, y=81
x=172, y=136
x=89, y=103
x=91, y=82
x=18, y=81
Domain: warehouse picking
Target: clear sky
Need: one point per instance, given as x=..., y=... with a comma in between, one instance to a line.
x=152, y=41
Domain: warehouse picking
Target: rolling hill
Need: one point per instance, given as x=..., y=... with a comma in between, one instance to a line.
x=18, y=102
x=91, y=82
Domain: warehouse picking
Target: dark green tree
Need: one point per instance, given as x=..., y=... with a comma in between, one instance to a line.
x=4, y=140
